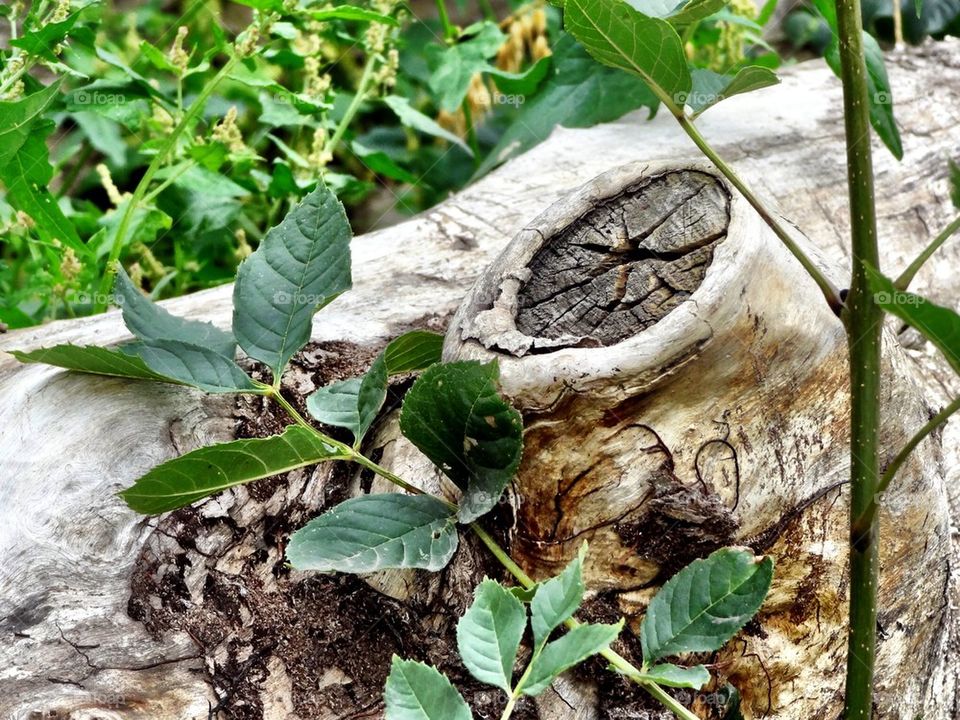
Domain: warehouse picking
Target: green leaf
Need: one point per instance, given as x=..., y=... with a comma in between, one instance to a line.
x=557, y=599
x=705, y=604
x=693, y=11
x=455, y=415
x=382, y=164
x=578, y=92
x=25, y=166
x=157, y=58
x=413, y=351
x=416, y=691
x=521, y=84
x=43, y=40
x=619, y=36
x=209, y=470
x=26, y=176
x=194, y=365
x=679, y=677
x=416, y=120
x=376, y=532
x=103, y=134
x=150, y=322
x=939, y=325
x=572, y=649
x=878, y=86
x=299, y=266
x=489, y=634
x=709, y=87
x=17, y=119
x=350, y=12
x=453, y=67
x=352, y=403
x=92, y=359
x=265, y=6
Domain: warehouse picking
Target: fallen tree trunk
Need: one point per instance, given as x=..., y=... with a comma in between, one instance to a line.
x=722, y=421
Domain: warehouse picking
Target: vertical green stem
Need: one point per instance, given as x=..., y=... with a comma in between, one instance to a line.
x=362, y=88
x=449, y=29
x=864, y=321
x=106, y=282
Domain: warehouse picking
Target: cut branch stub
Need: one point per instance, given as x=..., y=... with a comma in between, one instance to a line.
x=684, y=388
x=627, y=263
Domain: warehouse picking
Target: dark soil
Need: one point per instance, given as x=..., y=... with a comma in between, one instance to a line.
x=282, y=644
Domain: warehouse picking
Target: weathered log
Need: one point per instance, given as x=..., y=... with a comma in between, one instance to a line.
x=80, y=641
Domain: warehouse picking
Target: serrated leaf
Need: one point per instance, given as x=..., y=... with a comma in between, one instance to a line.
x=193, y=365
x=25, y=166
x=416, y=120
x=416, y=691
x=672, y=675
x=709, y=87
x=377, y=532
x=413, y=351
x=17, y=118
x=939, y=325
x=572, y=649
x=352, y=403
x=619, y=36
x=455, y=415
x=557, y=599
x=489, y=634
x=41, y=41
x=299, y=266
x=26, y=176
x=92, y=359
x=705, y=604
x=209, y=470
x=150, y=322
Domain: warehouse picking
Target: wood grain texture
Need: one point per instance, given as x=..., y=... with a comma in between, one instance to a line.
x=69, y=548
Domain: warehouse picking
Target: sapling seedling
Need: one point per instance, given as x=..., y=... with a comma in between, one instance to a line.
x=698, y=610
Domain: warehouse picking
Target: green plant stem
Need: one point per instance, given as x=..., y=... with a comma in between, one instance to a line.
x=906, y=277
x=450, y=31
x=346, y=452
x=362, y=88
x=863, y=522
x=622, y=665
x=864, y=321
x=830, y=293
x=187, y=165
x=119, y=239
x=619, y=662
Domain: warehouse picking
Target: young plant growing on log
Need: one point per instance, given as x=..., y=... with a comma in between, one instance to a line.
x=454, y=414
x=698, y=610
x=644, y=38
